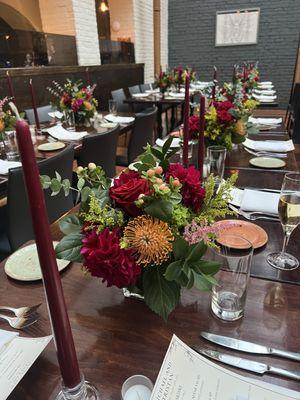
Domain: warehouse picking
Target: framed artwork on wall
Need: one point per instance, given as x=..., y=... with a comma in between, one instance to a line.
x=237, y=27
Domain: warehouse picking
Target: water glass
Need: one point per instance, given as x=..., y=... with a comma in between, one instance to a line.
x=217, y=156
x=69, y=119
x=112, y=107
x=10, y=145
x=229, y=295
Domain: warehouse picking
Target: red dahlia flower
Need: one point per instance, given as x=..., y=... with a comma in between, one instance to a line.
x=192, y=191
x=104, y=258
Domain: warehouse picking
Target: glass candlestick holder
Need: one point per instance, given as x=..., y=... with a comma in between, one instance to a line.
x=84, y=391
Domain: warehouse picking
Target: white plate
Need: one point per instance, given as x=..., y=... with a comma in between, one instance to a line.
x=267, y=162
x=23, y=265
x=140, y=95
x=51, y=146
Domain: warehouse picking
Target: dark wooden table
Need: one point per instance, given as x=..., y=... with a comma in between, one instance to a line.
x=159, y=102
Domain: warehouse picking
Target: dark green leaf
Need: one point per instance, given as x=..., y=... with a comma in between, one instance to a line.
x=161, y=209
x=206, y=267
x=148, y=159
x=201, y=283
x=102, y=196
x=157, y=153
x=196, y=253
x=172, y=152
x=69, y=247
x=182, y=280
x=167, y=144
x=161, y=295
x=70, y=224
x=180, y=248
x=164, y=164
x=173, y=271
x=190, y=276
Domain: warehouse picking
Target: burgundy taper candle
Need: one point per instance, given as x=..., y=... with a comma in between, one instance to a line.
x=36, y=116
x=201, y=146
x=87, y=72
x=66, y=353
x=10, y=87
x=185, y=150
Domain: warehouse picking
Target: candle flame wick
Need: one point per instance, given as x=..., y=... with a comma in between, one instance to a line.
x=14, y=110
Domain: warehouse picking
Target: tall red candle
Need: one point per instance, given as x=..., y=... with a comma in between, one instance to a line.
x=66, y=353
x=36, y=116
x=201, y=146
x=10, y=87
x=185, y=150
x=87, y=72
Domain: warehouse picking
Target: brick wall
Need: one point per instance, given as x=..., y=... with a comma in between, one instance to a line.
x=87, y=41
x=57, y=17
x=192, y=39
x=122, y=11
x=143, y=32
x=164, y=33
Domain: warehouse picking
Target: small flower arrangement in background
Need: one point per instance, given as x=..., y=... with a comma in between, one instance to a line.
x=134, y=231
x=179, y=74
x=164, y=81
x=249, y=76
x=72, y=95
x=7, y=119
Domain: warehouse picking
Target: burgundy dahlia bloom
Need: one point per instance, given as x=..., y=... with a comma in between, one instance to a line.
x=192, y=191
x=104, y=258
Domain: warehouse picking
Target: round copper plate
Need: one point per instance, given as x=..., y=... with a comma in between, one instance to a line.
x=253, y=233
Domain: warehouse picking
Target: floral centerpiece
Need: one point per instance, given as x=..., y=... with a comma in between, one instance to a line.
x=249, y=77
x=164, y=81
x=146, y=230
x=179, y=73
x=7, y=119
x=76, y=97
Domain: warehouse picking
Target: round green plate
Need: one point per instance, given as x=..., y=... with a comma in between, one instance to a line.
x=267, y=162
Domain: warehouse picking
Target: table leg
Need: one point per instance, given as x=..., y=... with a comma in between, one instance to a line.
x=173, y=121
x=159, y=121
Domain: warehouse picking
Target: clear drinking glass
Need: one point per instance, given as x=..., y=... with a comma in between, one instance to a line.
x=229, y=295
x=112, y=107
x=10, y=145
x=216, y=156
x=289, y=214
x=69, y=120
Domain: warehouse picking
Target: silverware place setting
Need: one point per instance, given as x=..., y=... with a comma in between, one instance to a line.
x=254, y=215
x=23, y=316
x=266, y=153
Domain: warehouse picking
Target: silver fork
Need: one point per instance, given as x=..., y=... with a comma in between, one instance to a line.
x=253, y=216
x=266, y=153
x=21, y=311
x=18, y=322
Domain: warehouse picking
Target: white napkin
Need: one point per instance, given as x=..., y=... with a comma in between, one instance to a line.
x=279, y=146
x=265, y=83
x=108, y=124
x=60, y=133
x=176, y=95
x=152, y=91
x=255, y=200
x=6, y=337
x=267, y=92
x=6, y=165
x=175, y=142
x=119, y=120
x=56, y=114
x=266, y=121
x=264, y=97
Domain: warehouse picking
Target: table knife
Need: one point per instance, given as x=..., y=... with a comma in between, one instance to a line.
x=248, y=365
x=248, y=347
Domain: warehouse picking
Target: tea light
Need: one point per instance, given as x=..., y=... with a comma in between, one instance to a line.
x=137, y=387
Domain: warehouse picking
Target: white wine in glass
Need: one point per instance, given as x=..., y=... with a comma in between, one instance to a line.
x=289, y=214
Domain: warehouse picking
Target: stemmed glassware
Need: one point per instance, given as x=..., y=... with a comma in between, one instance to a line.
x=289, y=214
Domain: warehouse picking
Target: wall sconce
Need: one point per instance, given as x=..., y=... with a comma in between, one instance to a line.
x=103, y=6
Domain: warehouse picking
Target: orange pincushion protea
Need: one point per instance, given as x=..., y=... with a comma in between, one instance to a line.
x=150, y=238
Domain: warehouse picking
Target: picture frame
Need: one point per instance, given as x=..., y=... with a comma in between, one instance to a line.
x=237, y=27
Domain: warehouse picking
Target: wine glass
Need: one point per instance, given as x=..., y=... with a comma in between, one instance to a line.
x=289, y=214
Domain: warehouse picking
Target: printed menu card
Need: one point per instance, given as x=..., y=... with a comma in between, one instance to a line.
x=186, y=375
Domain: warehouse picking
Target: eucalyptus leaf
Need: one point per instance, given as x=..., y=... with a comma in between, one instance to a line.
x=80, y=183
x=45, y=181
x=66, y=186
x=55, y=186
x=58, y=177
x=175, y=198
x=85, y=192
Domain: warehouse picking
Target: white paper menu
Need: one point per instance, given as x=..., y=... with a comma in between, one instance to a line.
x=186, y=375
x=16, y=357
